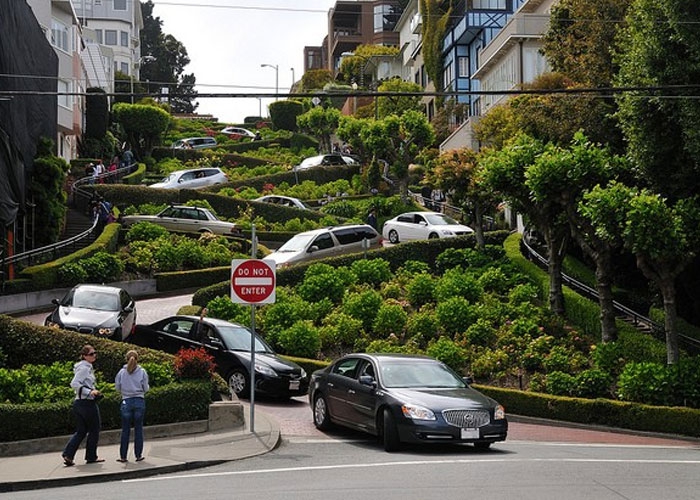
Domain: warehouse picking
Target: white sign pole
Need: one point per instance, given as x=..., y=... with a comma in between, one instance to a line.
x=254, y=252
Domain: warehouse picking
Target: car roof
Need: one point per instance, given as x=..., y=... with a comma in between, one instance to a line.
x=381, y=356
x=330, y=228
x=194, y=170
x=96, y=287
x=213, y=321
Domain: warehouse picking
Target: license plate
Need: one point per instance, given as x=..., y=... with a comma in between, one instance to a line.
x=293, y=385
x=470, y=433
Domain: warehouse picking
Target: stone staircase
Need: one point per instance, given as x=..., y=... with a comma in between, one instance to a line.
x=77, y=221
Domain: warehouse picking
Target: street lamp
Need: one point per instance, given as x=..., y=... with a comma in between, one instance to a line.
x=277, y=74
x=135, y=65
x=294, y=80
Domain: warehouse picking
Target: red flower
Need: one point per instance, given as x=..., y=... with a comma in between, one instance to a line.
x=194, y=363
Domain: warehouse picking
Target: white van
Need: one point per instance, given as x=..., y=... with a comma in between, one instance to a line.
x=195, y=143
x=326, y=242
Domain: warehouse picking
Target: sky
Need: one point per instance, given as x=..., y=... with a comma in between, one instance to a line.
x=228, y=40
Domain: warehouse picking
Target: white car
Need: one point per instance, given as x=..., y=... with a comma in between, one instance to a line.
x=422, y=226
x=326, y=160
x=237, y=132
x=326, y=242
x=185, y=218
x=285, y=201
x=195, y=143
x=105, y=311
x=192, y=178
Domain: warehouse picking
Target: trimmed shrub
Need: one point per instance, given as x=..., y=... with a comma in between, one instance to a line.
x=447, y=351
x=301, y=339
x=455, y=315
x=391, y=319
x=421, y=290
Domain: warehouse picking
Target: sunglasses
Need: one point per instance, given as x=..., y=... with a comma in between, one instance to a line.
x=93, y=353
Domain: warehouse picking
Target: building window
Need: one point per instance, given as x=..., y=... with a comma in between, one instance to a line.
x=447, y=77
x=463, y=67
x=125, y=68
x=110, y=37
x=64, y=100
x=59, y=35
x=98, y=35
x=119, y=4
x=386, y=17
x=124, y=38
x=489, y=4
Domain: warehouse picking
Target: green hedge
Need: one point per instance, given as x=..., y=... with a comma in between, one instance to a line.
x=135, y=177
x=672, y=420
x=45, y=276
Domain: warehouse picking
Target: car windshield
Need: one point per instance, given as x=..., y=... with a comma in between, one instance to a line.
x=441, y=220
x=170, y=178
x=91, y=299
x=297, y=244
x=237, y=338
x=309, y=162
x=396, y=374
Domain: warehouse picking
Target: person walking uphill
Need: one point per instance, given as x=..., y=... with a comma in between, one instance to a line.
x=85, y=409
x=132, y=383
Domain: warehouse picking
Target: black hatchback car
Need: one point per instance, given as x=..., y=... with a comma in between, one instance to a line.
x=229, y=344
x=404, y=399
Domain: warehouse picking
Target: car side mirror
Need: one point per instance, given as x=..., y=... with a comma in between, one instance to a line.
x=368, y=380
x=129, y=308
x=312, y=249
x=215, y=342
x=468, y=380
x=423, y=223
x=55, y=301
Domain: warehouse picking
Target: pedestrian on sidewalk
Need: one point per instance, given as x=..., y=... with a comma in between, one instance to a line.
x=132, y=383
x=85, y=409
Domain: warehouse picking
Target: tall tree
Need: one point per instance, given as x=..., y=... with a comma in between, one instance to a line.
x=661, y=47
x=321, y=123
x=505, y=171
x=143, y=125
x=663, y=236
x=436, y=17
x=562, y=175
x=166, y=64
x=397, y=105
x=460, y=174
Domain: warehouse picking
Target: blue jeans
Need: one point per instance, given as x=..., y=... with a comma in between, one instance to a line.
x=133, y=410
x=87, y=417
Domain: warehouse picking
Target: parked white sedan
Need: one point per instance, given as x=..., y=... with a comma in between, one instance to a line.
x=192, y=178
x=422, y=226
x=185, y=218
x=285, y=201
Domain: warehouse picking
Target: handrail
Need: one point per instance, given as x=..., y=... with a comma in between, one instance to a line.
x=76, y=189
x=689, y=343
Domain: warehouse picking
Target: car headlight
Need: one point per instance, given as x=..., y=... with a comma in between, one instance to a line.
x=499, y=413
x=415, y=412
x=107, y=332
x=447, y=232
x=303, y=373
x=265, y=370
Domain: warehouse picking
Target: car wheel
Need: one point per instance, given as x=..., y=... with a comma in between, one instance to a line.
x=322, y=420
x=433, y=236
x=238, y=383
x=390, y=435
x=482, y=445
x=393, y=236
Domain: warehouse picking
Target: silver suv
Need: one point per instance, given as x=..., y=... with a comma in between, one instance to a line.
x=326, y=242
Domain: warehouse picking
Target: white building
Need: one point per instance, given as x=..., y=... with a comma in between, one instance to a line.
x=60, y=24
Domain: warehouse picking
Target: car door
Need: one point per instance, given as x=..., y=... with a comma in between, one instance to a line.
x=169, y=217
x=420, y=228
x=361, y=399
x=322, y=246
x=339, y=382
x=172, y=335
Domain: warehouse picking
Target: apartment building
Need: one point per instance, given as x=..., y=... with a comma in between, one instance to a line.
x=116, y=25
x=352, y=23
x=60, y=25
x=497, y=59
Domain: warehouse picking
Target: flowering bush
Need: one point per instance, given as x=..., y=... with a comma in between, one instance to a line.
x=193, y=363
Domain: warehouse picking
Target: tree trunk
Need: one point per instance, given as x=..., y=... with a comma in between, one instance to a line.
x=555, y=247
x=479, y=229
x=603, y=275
x=668, y=291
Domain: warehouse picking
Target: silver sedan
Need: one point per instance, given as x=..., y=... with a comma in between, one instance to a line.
x=185, y=218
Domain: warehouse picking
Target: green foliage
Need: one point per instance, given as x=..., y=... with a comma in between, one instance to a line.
x=422, y=327
x=46, y=190
x=644, y=382
x=391, y=319
x=321, y=123
x=494, y=280
x=490, y=364
x=223, y=308
x=363, y=305
x=284, y=114
x=159, y=374
x=72, y=273
x=323, y=281
x=457, y=283
x=143, y=124
x=301, y=339
x=560, y=384
x=447, y=351
x=340, y=208
x=480, y=333
x=593, y=384
x=421, y=290
x=455, y=315
x=373, y=272
x=343, y=329
x=145, y=231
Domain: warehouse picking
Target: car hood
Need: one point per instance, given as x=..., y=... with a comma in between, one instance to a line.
x=280, y=365
x=128, y=218
x=455, y=228
x=441, y=399
x=73, y=316
x=280, y=258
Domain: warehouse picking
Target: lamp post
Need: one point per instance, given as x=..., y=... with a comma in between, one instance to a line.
x=294, y=80
x=135, y=65
x=277, y=74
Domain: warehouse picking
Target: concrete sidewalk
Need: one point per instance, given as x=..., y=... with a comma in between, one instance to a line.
x=186, y=450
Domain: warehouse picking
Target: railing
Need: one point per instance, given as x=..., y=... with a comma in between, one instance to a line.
x=690, y=344
x=80, y=197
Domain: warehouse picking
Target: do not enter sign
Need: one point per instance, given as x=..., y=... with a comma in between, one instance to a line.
x=253, y=281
